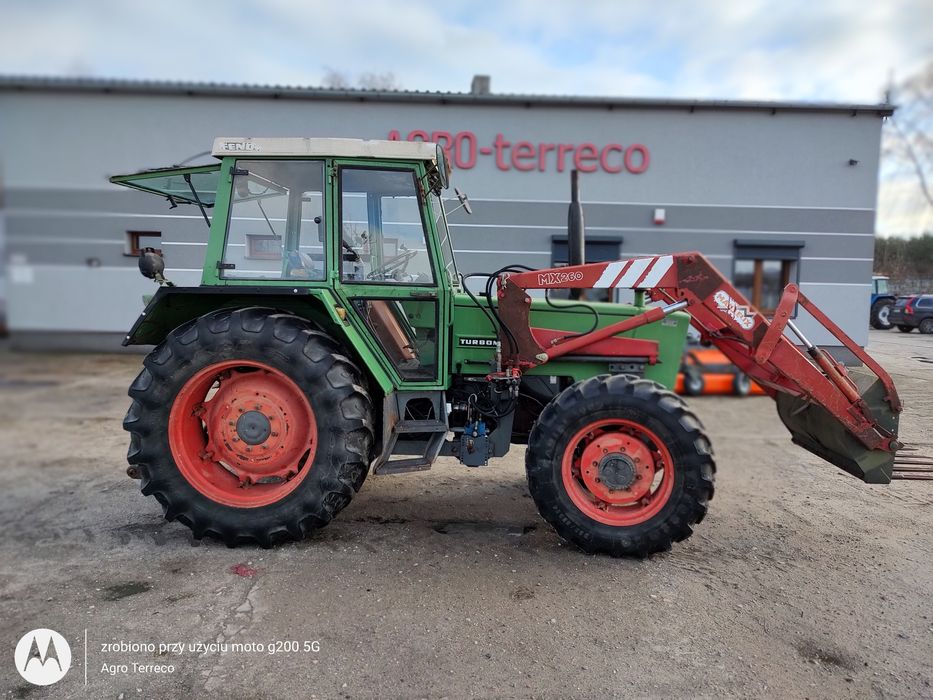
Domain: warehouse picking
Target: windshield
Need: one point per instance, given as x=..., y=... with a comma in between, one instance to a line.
x=443, y=233
x=881, y=286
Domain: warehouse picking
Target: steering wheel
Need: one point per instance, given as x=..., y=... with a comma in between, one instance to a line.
x=350, y=255
x=397, y=264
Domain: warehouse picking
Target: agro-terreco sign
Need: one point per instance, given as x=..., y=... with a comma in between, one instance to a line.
x=462, y=149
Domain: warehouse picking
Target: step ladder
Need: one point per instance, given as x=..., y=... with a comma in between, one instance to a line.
x=410, y=445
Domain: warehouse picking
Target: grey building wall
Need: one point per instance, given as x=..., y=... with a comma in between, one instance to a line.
x=722, y=173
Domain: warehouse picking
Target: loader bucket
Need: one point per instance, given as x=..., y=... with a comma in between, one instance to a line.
x=817, y=430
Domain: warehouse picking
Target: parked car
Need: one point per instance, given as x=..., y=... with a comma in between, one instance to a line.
x=913, y=312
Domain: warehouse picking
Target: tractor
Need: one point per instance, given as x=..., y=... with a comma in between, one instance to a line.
x=881, y=303
x=332, y=335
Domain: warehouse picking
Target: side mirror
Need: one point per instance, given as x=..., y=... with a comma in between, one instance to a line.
x=151, y=264
x=443, y=168
x=464, y=201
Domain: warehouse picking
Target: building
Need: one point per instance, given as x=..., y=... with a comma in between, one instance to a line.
x=770, y=192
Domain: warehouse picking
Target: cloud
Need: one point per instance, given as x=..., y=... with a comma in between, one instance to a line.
x=829, y=50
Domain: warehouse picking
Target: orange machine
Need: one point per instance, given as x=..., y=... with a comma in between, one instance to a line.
x=708, y=371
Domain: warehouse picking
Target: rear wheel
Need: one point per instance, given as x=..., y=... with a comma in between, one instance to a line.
x=926, y=325
x=618, y=465
x=249, y=426
x=905, y=329
x=880, y=318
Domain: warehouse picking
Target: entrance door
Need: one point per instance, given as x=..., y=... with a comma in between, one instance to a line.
x=389, y=272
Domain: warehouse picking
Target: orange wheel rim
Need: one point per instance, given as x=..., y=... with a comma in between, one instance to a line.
x=242, y=433
x=618, y=472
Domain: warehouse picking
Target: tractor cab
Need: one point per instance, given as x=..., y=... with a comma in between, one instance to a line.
x=355, y=228
x=276, y=197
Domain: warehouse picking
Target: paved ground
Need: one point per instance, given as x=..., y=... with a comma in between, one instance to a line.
x=801, y=582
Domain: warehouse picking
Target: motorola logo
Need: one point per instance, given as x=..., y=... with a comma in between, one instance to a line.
x=42, y=656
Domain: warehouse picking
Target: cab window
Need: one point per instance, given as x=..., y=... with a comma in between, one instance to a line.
x=276, y=227
x=382, y=228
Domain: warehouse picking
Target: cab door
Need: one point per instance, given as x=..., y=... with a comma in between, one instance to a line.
x=387, y=268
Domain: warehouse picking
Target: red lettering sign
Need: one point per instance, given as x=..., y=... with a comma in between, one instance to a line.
x=463, y=151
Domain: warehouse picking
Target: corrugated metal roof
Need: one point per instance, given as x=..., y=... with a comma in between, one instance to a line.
x=195, y=89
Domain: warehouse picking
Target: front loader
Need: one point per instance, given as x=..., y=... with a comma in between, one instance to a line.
x=332, y=337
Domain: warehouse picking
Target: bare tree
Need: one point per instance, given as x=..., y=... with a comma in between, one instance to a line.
x=335, y=79
x=378, y=81
x=340, y=80
x=908, y=140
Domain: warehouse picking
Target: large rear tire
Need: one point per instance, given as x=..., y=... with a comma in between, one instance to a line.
x=249, y=426
x=618, y=465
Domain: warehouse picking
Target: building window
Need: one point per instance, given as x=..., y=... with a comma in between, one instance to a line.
x=596, y=249
x=137, y=241
x=262, y=247
x=762, y=270
x=762, y=281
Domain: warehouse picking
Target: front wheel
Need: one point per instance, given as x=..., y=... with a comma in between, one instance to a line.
x=618, y=465
x=926, y=326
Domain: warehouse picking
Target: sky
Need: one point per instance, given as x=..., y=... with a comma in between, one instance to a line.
x=825, y=50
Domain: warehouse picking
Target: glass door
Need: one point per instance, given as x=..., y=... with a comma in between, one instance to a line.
x=388, y=268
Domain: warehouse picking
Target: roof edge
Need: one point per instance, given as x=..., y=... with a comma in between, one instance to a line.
x=26, y=83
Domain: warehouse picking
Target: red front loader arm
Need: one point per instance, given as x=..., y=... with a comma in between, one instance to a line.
x=847, y=416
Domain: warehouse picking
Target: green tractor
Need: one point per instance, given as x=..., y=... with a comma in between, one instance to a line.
x=332, y=335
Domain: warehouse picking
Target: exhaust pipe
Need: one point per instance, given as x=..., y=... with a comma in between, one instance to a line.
x=576, y=237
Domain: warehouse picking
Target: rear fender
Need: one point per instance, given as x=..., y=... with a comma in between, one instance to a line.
x=170, y=307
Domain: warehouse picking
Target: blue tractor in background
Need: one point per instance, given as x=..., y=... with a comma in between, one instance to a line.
x=882, y=301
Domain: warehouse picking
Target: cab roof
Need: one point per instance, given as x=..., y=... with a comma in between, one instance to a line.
x=338, y=148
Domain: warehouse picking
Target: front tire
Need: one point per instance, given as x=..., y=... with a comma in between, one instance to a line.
x=618, y=465
x=249, y=426
x=880, y=318
x=926, y=326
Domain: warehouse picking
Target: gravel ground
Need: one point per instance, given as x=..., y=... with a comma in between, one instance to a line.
x=801, y=582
